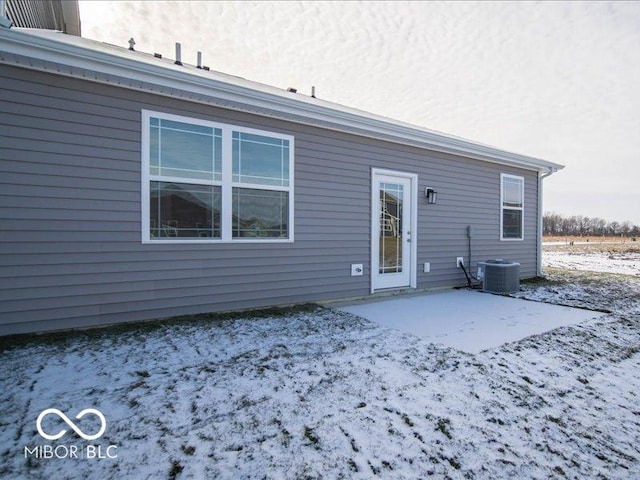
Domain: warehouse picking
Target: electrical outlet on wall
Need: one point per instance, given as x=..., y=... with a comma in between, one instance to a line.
x=459, y=261
x=357, y=270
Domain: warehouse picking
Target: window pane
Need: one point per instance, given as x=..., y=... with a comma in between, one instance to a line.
x=260, y=160
x=154, y=152
x=260, y=213
x=183, y=150
x=511, y=223
x=179, y=210
x=512, y=192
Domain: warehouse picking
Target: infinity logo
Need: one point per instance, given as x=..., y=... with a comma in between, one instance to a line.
x=61, y=433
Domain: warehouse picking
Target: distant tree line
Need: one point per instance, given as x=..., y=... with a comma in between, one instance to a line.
x=554, y=224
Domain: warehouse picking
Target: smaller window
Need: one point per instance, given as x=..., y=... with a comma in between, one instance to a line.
x=511, y=207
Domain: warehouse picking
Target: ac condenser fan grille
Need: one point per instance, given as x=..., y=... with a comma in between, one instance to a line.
x=500, y=276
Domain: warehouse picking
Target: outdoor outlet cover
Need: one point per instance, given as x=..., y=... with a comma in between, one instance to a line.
x=427, y=267
x=356, y=270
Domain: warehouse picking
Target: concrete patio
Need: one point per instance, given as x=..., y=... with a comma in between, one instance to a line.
x=468, y=320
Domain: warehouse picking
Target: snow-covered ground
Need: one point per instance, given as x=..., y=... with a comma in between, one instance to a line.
x=318, y=393
x=614, y=293
x=627, y=263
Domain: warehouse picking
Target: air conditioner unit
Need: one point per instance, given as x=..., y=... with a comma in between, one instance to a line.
x=499, y=276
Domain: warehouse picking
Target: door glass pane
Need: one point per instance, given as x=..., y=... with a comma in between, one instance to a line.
x=391, y=195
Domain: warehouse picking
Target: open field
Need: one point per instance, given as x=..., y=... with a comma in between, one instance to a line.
x=591, y=243
x=589, y=239
x=591, y=256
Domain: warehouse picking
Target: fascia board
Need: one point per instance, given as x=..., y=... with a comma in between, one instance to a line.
x=83, y=62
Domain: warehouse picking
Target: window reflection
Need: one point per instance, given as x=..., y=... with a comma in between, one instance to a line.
x=260, y=213
x=183, y=150
x=511, y=223
x=260, y=160
x=512, y=193
x=181, y=210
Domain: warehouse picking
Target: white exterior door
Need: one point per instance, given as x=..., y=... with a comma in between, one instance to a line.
x=393, y=226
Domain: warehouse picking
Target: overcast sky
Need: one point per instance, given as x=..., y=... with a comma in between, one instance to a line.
x=558, y=81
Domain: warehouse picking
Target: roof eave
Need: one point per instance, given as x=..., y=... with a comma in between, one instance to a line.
x=82, y=62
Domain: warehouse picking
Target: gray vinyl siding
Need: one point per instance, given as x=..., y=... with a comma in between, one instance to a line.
x=70, y=241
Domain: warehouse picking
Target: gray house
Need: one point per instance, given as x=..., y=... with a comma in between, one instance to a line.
x=133, y=188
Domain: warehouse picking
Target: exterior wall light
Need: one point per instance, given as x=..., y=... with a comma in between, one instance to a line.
x=431, y=195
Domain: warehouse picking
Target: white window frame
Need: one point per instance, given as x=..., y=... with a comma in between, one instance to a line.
x=226, y=184
x=503, y=208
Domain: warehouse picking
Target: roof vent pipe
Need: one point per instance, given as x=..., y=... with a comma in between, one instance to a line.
x=313, y=92
x=199, y=60
x=178, y=54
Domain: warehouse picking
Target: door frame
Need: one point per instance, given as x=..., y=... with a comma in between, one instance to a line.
x=375, y=225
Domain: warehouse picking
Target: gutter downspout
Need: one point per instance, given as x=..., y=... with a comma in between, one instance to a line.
x=541, y=176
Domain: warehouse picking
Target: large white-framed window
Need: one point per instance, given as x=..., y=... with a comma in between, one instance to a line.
x=511, y=207
x=206, y=182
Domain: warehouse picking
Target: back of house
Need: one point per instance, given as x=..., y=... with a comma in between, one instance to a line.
x=134, y=187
